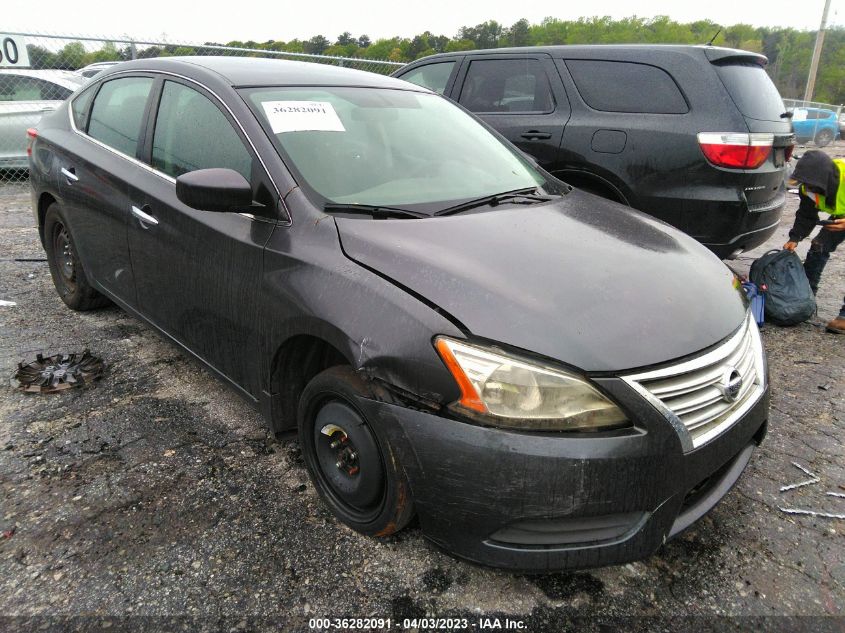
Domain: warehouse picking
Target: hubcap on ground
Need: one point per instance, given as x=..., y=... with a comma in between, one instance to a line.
x=348, y=456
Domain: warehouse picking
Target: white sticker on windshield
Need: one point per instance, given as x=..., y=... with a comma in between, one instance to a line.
x=302, y=116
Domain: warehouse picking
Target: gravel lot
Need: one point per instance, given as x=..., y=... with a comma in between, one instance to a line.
x=157, y=494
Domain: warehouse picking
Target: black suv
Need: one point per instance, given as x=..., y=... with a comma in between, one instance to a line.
x=694, y=135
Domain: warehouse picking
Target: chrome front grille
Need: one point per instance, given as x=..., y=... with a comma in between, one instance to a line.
x=709, y=393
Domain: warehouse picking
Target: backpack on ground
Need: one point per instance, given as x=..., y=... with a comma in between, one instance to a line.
x=789, y=298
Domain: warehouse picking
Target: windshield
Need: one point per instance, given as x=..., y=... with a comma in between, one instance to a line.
x=370, y=146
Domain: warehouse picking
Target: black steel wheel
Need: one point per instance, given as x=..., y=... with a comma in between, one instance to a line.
x=65, y=268
x=354, y=469
x=824, y=138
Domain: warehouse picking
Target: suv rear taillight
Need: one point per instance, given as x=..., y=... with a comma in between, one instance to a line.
x=736, y=150
x=31, y=135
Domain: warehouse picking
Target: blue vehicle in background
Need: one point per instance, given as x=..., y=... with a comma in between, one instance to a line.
x=815, y=124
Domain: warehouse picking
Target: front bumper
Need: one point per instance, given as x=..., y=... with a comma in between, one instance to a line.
x=537, y=502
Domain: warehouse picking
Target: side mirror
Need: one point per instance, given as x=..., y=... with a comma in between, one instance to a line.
x=221, y=190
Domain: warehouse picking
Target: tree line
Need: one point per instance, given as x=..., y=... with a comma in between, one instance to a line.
x=789, y=50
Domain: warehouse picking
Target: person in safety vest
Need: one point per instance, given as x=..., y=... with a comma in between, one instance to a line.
x=821, y=187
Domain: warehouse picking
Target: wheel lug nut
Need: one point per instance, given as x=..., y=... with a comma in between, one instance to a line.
x=335, y=444
x=339, y=464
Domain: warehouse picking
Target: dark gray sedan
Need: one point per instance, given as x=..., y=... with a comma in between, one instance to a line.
x=545, y=378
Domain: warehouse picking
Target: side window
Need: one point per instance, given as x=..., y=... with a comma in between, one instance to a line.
x=17, y=88
x=192, y=133
x=117, y=113
x=506, y=85
x=79, y=107
x=52, y=92
x=626, y=87
x=9, y=86
x=431, y=76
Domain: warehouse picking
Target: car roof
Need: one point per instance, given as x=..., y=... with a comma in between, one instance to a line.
x=252, y=71
x=64, y=78
x=599, y=51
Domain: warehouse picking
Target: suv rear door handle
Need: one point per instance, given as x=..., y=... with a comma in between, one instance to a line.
x=144, y=218
x=536, y=135
x=68, y=173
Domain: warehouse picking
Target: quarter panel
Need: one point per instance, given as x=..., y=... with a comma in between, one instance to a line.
x=98, y=208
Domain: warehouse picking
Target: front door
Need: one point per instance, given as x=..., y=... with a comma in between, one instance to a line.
x=521, y=97
x=198, y=273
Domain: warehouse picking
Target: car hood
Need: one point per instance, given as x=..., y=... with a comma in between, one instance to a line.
x=582, y=280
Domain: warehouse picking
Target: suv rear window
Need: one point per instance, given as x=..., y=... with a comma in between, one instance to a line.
x=626, y=87
x=752, y=91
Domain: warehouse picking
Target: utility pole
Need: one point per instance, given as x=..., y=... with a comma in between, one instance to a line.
x=817, y=53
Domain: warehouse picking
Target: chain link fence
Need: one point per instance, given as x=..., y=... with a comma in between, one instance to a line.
x=791, y=104
x=39, y=71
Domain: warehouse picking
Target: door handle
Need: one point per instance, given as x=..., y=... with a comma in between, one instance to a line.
x=536, y=135
x=143, y=217
x=68, y=173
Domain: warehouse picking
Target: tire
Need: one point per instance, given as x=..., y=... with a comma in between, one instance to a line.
x=67, y=271
x=824, y=138
x=358, y=477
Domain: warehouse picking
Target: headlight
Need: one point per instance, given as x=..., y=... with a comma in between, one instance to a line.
x=515, y=394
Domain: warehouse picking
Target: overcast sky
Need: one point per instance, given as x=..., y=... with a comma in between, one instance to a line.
x=212, y=20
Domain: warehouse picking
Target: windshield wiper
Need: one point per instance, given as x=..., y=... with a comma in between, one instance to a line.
x=528, y=195
x=378, y=212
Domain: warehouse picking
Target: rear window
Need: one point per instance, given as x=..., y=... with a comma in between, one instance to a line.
x=626, y=87
x=752, y=91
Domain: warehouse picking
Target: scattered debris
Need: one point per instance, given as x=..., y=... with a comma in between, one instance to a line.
x=812, y=513
x=57, y=372
x=807, y=362
x=814, y=479
x=10, y=532
x=7, y=304
x=800, y=484
x=824, y=387
x=805, y=471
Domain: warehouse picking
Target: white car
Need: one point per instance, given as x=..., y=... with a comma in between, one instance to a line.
x=25, y=95
x=94, y=69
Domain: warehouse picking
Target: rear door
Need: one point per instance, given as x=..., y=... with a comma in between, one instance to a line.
x=198, y=273
x=96, y=167
x=520, y=96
